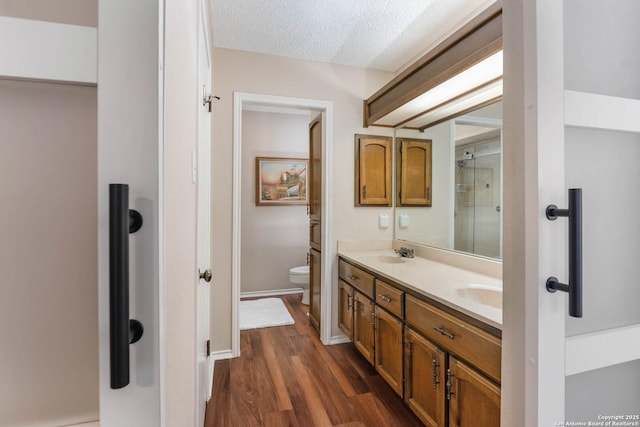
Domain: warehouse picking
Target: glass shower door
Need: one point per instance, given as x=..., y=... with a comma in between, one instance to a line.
x=477, y=204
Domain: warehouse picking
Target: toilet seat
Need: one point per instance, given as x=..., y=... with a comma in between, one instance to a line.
x=299, y=274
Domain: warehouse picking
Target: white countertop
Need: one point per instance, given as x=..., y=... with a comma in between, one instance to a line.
x=436, y=280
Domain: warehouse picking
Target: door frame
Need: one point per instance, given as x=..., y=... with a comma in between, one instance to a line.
x=202, y=155
x=533, y=334
x=329, y=252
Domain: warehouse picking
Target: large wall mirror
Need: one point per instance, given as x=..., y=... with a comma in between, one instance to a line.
x=451, y=100
x=465, y=213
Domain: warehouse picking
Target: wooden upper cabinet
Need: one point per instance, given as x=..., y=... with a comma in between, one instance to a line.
x=315, y=171
x=413, y=166
x=373, y=170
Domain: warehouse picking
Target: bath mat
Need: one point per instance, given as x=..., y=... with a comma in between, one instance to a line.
x=264, y=313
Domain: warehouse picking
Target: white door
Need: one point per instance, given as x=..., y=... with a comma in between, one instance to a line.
x=130, y=152
x=204, y=222
x=588, y=104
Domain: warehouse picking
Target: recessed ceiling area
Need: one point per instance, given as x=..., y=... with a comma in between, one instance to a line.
x=377, y=34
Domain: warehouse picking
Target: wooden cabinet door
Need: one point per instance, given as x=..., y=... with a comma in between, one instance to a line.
x=345, y=308
x=474, y=400
x=424, y=379
x=373, y=170
x=315, y=171
x=388, y=346
x=315, y=288
x=413, y=167
x=363, y=325
x=315, y=234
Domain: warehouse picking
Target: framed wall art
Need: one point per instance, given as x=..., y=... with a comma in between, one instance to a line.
x=281, y=181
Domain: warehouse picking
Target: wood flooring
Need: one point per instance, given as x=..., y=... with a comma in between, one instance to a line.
x=286, y=377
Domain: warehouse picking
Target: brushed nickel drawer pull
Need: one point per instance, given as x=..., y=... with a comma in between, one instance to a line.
x=444, y=332
x=384, y=298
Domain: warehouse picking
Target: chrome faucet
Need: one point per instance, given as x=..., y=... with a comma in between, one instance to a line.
x=404, y=252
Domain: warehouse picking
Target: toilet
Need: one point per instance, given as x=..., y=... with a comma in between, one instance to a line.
x=300, y=276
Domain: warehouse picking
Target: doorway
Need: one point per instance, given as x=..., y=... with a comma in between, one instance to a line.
x=325, y=108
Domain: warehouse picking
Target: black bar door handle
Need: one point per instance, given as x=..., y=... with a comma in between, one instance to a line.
x=123, y=331
x=574, y=288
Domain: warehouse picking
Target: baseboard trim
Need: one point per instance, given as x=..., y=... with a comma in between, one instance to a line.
x=339, y=339
x=271, y=293
x=221, y=355
x=216, y=355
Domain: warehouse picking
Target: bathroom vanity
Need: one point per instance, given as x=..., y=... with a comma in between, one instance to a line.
x=432, y=331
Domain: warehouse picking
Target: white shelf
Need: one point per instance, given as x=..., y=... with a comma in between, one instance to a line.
x=604, y=348
x=589, y=110
x=46, y=51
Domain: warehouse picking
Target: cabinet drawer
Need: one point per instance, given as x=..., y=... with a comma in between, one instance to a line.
x=457, y=336
x=389, y=297
x=357, y=278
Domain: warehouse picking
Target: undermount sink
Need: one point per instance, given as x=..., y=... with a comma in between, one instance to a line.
x=482, y=294
x=388, y=259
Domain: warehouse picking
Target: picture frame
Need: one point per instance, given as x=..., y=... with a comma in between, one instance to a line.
x=281, y=181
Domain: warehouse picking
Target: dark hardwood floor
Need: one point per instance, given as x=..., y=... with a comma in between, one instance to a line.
x=286, y=377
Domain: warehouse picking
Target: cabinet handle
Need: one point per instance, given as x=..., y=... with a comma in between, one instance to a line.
x=435, y=373
x=349, y=302
x=574, y=287
x=444, y=332
x=449, y=384
x=373, y=317
x=122, y=330
x=364, y=191
x=384, y=298
x=353, y=277
x=428, y=193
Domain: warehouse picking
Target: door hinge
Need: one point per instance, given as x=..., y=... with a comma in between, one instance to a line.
x=208, y=348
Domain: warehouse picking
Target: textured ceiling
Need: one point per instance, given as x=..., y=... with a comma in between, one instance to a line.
x=378, y=34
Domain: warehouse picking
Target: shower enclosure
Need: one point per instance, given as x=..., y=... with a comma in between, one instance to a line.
x=478, y=193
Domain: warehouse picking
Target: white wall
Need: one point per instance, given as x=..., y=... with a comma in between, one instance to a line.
x=48, y=259
x=346, y=87
x=274, y=238
x=610, y=246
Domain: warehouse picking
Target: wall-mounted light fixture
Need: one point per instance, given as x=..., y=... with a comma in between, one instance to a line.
x=461, y=74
